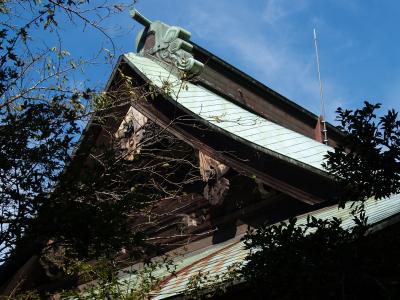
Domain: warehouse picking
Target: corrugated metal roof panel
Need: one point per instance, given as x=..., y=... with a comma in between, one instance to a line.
x=216, y=259
x=232, y=118
x=217, y=262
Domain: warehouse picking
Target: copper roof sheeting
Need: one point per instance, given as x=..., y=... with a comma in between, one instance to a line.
x=233, y=119
x=212, y=262
x=215, y=260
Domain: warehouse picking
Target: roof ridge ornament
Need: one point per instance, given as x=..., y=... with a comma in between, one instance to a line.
x=171, y=44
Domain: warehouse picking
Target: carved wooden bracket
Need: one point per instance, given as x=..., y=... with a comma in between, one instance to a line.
x=131, y=132
x=212, y=172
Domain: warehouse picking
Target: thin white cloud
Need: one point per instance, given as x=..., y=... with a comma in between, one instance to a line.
x=258, y=38
x=258, y=51
x=275, y=10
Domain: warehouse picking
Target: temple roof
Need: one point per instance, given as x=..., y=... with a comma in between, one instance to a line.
x=232, y=119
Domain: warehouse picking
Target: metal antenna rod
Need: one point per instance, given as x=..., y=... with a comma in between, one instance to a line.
x=321, y=92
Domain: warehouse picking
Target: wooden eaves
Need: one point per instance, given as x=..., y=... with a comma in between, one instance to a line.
x=289, y=176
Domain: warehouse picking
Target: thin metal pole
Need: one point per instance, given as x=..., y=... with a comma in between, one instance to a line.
x=321, y=91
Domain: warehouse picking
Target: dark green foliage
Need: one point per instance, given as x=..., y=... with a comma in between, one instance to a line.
x=301, y=262
x=331, y=263
x=367, y=162
x=321, y=260
x=33, y=151
x=41, y=115
x=37, y=121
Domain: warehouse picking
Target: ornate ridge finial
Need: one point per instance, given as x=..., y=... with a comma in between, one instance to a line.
x=171, y=44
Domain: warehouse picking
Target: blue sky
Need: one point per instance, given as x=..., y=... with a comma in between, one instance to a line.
x=272, y=40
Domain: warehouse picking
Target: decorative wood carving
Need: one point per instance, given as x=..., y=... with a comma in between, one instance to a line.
x=131, y=132
x=212, y=172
